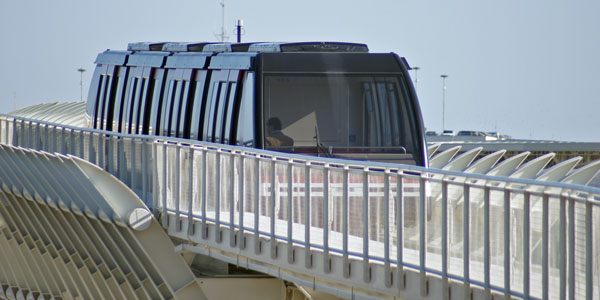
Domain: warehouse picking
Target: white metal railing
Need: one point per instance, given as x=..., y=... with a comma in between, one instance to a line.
x=519, y=237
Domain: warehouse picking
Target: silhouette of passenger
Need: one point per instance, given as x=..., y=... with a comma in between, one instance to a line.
x=276, y=138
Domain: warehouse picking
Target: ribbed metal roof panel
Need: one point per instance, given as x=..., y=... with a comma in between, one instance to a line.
x=113, y=57
x=233, y=60
x=148, y=59
x=185, y=47
x=145, y=46
x=188, y=60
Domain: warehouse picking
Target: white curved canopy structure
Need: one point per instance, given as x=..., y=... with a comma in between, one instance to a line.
x=69, y=230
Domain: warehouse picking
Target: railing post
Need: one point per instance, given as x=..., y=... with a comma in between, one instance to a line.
x=365, y=190
x=346, y=263
x=545, y=242
x=110, y=156
x=507, y=243
x=422, y=237
x=204, y=194
x=257, y=247
x=72, y=135
x=231, y=178
x=386, y=228
x=589, y=258
x=36, y=137
x=132, y=172
x=526, y=225
x=563, y=248
x=63, y=142
x=571, y=245
x=177, y=186
x=486, y=241
x=16, y=132
x=290, y=190
x=307, y=180
x=272, y=214
x=100, y=151
x=27, y=132
x=445, y=237
x=81, y=144
x=241, y=198
x=218, y=195
x=145, y=175
x=399, y=231
x=165, y=210
x=326, y=261
x=155, y=177
x=191, y=228
x=466, y=240
x=91, y=153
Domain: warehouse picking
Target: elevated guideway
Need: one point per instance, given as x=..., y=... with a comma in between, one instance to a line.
x=357, y=230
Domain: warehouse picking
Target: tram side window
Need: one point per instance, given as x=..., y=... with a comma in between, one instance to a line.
x=187, y=105
x=157, y=102
x=110, y=101
x=181, y=87
x=119, y=98
x=246, y=114
x=214, y=114
x=167, y=107
x=199, y=104
x=126, y=109
x=226, y=100
x=137, y=105
x=147, y=97
x=104, y=100
x=100, y=102
x=228, y=114
x=92, y=102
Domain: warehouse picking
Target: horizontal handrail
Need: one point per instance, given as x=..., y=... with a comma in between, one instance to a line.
x=316, y=160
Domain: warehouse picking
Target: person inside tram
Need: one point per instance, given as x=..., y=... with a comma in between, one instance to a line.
x=275, y=138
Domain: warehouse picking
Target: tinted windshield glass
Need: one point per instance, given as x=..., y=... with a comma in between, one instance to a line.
x=345, y=113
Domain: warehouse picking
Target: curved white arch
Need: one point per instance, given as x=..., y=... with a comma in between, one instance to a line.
x=462, y=161
x=558, y=171
x=443, y=158
x=532, y=168
x=509, y=165
x=485, y=163
x=584, y=174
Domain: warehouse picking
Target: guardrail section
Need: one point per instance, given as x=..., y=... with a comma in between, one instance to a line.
x=393, y=229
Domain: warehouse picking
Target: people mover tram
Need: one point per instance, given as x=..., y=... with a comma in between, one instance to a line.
x=317, y=98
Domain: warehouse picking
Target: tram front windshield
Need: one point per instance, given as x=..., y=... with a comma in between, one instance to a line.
x=337, y=114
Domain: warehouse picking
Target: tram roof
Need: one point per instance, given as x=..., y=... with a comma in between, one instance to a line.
x=212, y=55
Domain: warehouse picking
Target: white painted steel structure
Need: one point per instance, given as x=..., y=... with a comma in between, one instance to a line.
x=69, y=230
x=359, y=229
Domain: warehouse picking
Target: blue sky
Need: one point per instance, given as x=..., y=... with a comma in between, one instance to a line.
x=529, y=69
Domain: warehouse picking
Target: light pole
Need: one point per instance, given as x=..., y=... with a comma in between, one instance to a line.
x=444, y=76
x=416, y=77
x=81, y=70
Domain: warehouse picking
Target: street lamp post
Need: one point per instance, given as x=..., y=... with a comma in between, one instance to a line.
x=444, y=76
x=81, y=70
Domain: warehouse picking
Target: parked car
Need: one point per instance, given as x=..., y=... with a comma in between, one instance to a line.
x=470, y=133
x=448, y=133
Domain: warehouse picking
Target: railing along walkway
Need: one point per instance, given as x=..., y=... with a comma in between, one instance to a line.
x=391, y=229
